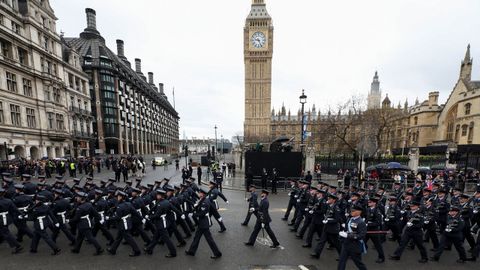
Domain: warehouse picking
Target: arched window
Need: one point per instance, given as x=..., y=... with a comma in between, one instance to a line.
x=468, y=107
x=464, y=130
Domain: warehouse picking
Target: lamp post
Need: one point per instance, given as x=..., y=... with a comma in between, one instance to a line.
x=303, y=100
x=221, y=138
x=216, y=145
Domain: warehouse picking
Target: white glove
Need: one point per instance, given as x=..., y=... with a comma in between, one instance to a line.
x=343, y=234
x=57, y=225
x=387, y=219
x=306, y=209
x=102, y=222
x=147, y=217
x=107, y=218
x=298, y=200
x=227, y=202
x=311, y=211
x=182, y=216
x=20, y=217
x=343, y=225
x=325, y=221
x=263, y=225
x=409, y=224
x=190, y=214
x=289, y=194
x=296, y=196
x=67, y=220
x=246, y=199
x=144, y=221
x=426, y=222
x=252, y=210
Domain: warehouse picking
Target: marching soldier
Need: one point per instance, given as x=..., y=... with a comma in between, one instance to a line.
x=263, y=222
x=308, y=212
x=353, y=244
x=331, y=227
x=8, y=210
x=213, y=194
x=252, y=204
x=392, y=218
x=60, y=208
x=301, y=205
x=174, y=215
x=318, y=215
x=430, y=225
x=453, y=235
x=442, y=207
x=101, y=206
x=42, y=219
x=292, y=201
x=139, y=205
x=201, y=212
x=374, y=221
x=466, y=213
x=22, y=202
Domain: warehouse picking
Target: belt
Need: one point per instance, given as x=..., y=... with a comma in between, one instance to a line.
x=185, y=206
x=102, y=216
x=87, y=217
x=216, y=203
x=40, y=222
x=23, y=209
x=62, y=214
x=125, y=223
x=174, y=216
x=139, y=212
x=4, y=217
x=209, y=219
x=164, y=220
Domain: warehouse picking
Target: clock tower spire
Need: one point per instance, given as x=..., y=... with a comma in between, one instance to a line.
x=258, y=52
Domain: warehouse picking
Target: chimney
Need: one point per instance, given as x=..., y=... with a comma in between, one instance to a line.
x=120, y=48
x=160, y=87
x=138, y=65
x=433, y=98
x=150, y=78
x=91, y=19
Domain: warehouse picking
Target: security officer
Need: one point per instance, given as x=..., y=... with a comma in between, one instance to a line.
x=158, y=216
x=213, y=194
x=263, y=222
x=353, y=236
x=331, y=227
x=60, y=208
x=252, y=204
x=412, y=231
x=453, y=235
x=42, y=218
x=83, y=220
x=123, y=218
x=374, y=221
x=201, y=212
x=8, y=210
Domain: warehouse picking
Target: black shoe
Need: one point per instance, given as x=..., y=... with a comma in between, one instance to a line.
x=395, y=258
x=460, y=261
x=434, y=259
x=33, y=251
x=299, y=236
x=248, y=244
x=111, y=251
x=214, y=257
x=222, y=230
x=315, y=255
x=110, y=243
x=182, y=244
x=99, y=252
x=17, y=250
x=307, y=246
x=56, y=252
x=75, y=251
x=170, y=255
x=448, y=248
x=423, y=260
x=284, y=219
x=380, y=261
x=275, y=246
x=189, y=253
x=291, y=224
x=244, y=224
x=293, y=230
x=148, y=251
x=472, y=259
x=135, y=254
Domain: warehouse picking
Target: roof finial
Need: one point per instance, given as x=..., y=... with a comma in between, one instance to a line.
x=467, y=55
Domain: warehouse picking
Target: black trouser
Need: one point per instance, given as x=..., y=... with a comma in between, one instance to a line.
x=125, y=177
x=264, y=183
x=417, y=238
x=249, y=215
x=314, y=228
x=291, y=204
x=64, y=229
x=208, y=236
x=22, y=229
x=6, y=235
x=394, y=227
x=86, y=233
x=327, y=237
x=138, y=229
x=256, y=230
x=216, y=215
x=117, y=177
x=199, y=179
x=173, y=230
x=274, y=186
x=356, y=258
x=37, y=234
x=300, y=211
x=123, y=234
x=184, y=226
x=306, y=224
x=377, y=243
x=467, y=235
x=161, y=234
x=431, y=233
x=104, y=230
x=447, y=241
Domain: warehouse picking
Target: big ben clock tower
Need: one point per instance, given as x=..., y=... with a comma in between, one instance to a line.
x=258, y=51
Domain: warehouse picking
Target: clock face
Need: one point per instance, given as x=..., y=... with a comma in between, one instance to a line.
x=258, y=40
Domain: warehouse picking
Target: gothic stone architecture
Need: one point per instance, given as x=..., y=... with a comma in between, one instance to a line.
x=131, y=115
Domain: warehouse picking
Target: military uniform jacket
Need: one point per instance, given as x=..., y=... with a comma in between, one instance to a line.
x=42, y=216
x=262, y=211
x=123, y=216
x=253, y=200
x=392, y=214
x=319, y=212
x=84, y=213
x=201, y=212
x=332, y=219
x=374, y=219
x=8, y=210
x=101, y=206
x=467, y=214
x=139, y=205
x=174, y=212
x=61, y=208
x=416, y=219
x=431, y=215
x=213, y=195
x=160, y=212
x=455, y=226
x=356, y=231
x=22, y=202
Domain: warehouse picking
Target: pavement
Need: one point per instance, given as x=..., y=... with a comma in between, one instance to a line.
x=235, y=254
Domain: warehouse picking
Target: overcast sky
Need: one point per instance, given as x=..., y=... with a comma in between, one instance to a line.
x=329, y=48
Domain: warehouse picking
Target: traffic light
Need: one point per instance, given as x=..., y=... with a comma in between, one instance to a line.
x=186, y=150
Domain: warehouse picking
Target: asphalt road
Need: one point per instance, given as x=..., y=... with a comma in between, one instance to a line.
x=235, y=254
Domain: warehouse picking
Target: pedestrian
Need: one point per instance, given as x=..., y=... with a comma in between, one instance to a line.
x=263, y=222
x=274, y=180
x=199, y=174
x=252, y=205
x=264, y=178
x=353, y=236
x=201, y=213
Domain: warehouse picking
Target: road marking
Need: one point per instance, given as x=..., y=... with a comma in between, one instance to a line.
x=302, y=267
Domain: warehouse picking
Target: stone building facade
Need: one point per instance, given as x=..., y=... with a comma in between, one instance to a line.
x=131, y=115
x=35, y=119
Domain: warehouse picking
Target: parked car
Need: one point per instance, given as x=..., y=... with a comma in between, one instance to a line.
x=158, y=161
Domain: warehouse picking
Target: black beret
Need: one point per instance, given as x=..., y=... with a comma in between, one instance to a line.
x=264, y=191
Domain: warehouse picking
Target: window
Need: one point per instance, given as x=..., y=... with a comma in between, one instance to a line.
x=56, y=95
x=48, y=94
x=15, y=115
x=27, y=87
x=470, y=132
x=2, y=19
x=1, y=113
x=6, y=49
x=415, y=121
x=50, y=120
x=60, y=123
x=46, y=41
x=31, y=123
x=16, y=27
x=464, y=130
x=11, y=82
x=23, y=56
x=468, y=107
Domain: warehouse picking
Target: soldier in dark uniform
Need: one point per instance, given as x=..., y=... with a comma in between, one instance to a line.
x=174, y=216
x=137, y=225
x=42, y=218
x=213, y=194
x=301, y=205
x=22, y=202
x=412, y=231
x=60, y=208
x=252, y=204
x=263, y=222
x=466, y=213
x=318, y=215
x=353, y=236
x=374, y=220
x=312, y=200
x=83, y=220
x=123, y=217
x=101, y=206
x=158, y=216
x=442, y=206
x=476, y=223
x=8, y=210
x=201, y=212
x=430, y=224
x=453, y=235
x=392, y=218
x=28, y=187
x=9, y=187
x=293, y=195
x=331, y=227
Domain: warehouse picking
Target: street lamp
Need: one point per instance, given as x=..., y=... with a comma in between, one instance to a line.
x=216, y=145
x=303, y=100
x=221, y=138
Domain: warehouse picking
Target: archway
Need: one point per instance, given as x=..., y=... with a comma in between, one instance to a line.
x=49, y=152
x=19, y=151
x=34, y=153
x=57, y=152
